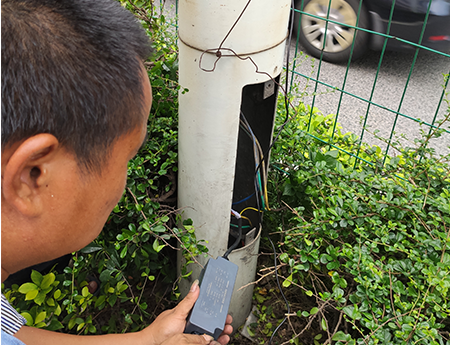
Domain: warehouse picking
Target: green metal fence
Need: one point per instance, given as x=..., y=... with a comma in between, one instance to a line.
x=382, y=91
x=362, y=94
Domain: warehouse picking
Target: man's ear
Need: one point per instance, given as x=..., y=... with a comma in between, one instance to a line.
x=25, y=172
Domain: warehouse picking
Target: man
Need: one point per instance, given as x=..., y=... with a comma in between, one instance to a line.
x=75, y=103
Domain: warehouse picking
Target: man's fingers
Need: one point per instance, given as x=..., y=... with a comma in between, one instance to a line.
x=208, y=338
x=229, y=320
x=184, y=307
x=190, y=339
x=223, y=339
x=228, y=329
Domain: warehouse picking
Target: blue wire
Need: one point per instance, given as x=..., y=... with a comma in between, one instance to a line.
x=241, y=201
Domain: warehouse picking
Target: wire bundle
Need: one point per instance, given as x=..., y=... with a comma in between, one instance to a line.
x=261, y=176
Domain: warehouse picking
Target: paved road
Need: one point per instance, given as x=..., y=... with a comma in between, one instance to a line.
x=420, y=100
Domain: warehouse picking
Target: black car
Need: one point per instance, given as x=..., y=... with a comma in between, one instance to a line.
x=407, y=22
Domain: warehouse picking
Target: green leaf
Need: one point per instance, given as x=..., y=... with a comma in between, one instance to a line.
x=352, y=311
x=80, y=326
x=28, y=317
x=51, y=302
x=31, y=295
x=100, y=300
x=40, y=298
x=122, y=288
x=57, y=294
x=314, y=310
x=407, y=328
x=112, y=300
x=156, y=246
x=105, y=275
x=159, y=228
x=91, y=248
x=259, y=298
x=284, y=257
x=72, y=323
x=48, y=280
x=36, y=277
x=54, y=325
x=341, y=336
x=40, y=317
x=146, y=226
x=324, y=324
x=123, y=253
x=287, y=282
x=85, y=291
x=27, y=287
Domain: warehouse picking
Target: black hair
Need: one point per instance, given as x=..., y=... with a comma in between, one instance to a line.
x=72, y=68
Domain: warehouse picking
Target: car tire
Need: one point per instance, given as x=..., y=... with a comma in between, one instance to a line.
x=339, y=38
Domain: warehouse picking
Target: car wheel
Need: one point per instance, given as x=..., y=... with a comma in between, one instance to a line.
x=339, y=38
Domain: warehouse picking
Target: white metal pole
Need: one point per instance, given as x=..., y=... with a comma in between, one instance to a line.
x=209, y=111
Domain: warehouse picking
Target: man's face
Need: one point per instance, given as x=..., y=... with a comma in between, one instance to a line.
x=88, y=199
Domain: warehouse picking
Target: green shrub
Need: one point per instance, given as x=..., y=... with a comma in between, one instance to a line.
x=367, y=247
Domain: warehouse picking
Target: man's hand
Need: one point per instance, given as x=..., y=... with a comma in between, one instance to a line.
x=172, y=322
x=190, y=339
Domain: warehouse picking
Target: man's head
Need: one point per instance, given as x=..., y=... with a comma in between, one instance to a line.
x=72, y=69
x=75, y=102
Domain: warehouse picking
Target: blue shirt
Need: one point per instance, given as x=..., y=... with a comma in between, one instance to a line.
x=8, y=339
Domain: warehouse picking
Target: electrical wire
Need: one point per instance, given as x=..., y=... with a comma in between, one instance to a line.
x=256, y=150
x=241, y=201
x=243, y=226
x=259, y=160
x=262, y=192
x=246, y=129
x=249, y=208
x=236, y=243
x=235, y=213
x=247, y=219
